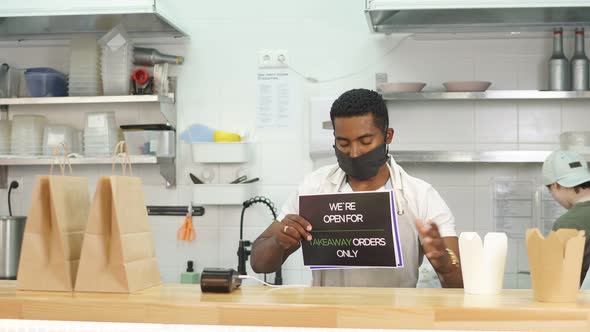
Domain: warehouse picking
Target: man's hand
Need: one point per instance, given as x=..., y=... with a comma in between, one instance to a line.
x=277, y=242
x=293, y=229
x=435, y=249
x=434, y=246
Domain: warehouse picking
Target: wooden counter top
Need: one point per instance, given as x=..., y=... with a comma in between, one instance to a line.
x=304, y=307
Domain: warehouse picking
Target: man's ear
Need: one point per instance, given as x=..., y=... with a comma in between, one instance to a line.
x=389, y=135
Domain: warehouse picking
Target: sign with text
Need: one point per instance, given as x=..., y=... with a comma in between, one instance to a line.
x=351, y=230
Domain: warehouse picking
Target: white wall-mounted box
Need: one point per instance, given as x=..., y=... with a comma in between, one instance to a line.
x=221, y=152
x=223, y=194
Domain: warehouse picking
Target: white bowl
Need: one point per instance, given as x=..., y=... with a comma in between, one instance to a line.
x=467, y=86
x=401, y=87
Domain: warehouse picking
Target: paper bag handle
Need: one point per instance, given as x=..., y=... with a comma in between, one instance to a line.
x=63, y=162
x=121, y=150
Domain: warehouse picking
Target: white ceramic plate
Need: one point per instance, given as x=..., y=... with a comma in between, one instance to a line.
x=467, y=86
x=401, y=87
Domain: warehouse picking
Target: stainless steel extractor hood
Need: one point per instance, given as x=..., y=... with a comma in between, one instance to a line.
x=142, y=18
x=454, y=16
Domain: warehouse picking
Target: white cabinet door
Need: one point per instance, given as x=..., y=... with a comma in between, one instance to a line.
x=73, y=7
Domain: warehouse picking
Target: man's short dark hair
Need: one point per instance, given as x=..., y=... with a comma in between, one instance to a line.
x=359, y=102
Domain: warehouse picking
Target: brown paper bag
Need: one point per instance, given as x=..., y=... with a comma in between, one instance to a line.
x=118, y=252
x=555, y=263
x=53, y=233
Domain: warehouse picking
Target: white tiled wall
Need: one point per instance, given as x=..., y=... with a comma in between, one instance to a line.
x=325, y=40
x=496, y=122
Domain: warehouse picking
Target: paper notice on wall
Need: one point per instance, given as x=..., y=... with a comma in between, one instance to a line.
x=275, y=99
x=513, y=189
x=513, y=206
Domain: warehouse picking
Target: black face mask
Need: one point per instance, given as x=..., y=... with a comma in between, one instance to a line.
x=364, y=166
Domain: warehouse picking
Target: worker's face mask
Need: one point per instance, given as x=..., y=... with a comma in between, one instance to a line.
x=364, y=166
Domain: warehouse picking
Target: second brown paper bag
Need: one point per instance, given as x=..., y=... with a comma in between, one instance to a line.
x=118, y=252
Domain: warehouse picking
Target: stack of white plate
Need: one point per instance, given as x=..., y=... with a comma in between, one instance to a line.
x=4, y=137
x=101, y=134
x=55, y=135
x=116, y=61
x=84, y=78
x=27, y=135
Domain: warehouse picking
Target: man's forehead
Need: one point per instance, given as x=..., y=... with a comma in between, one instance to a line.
x=355, y=123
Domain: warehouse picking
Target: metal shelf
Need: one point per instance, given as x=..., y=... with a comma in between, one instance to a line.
x=488, y=95
x=167, y=165
x=462, y=156
x=471, y=156
x=141, y=18
x=166, y=102
x=87, y=100
x=44, y=20
x=10, y=160
x=436, y=17
x=167, y=108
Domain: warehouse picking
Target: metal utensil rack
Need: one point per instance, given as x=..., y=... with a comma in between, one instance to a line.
x=167, y=210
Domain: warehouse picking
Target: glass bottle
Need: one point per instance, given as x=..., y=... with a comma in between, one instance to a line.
x=579, y=63
x=149, y=57
x=559, y=69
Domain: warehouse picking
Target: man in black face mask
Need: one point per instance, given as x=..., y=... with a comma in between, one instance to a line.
x=362, y=135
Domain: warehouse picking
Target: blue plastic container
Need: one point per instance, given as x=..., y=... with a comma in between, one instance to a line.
x=46, y=82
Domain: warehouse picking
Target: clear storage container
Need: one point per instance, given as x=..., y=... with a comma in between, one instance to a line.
x=116, y=61
x=155, y=139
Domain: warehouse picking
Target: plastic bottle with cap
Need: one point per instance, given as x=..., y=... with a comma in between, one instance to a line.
x=190, y=276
